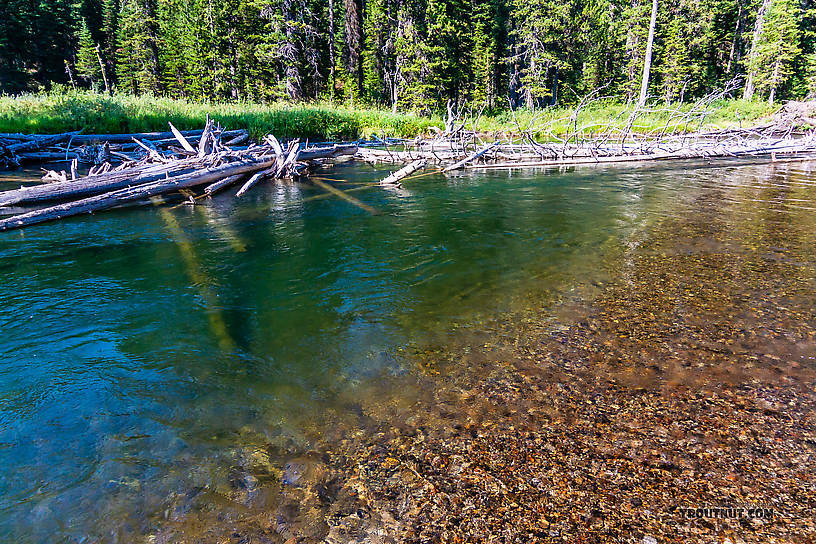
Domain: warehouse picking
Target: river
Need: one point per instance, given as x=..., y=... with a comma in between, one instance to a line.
x=144, y=350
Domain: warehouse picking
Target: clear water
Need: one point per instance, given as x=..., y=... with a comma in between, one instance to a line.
x=139, y=347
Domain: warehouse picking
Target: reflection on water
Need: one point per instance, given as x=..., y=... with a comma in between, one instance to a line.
x=145, y=353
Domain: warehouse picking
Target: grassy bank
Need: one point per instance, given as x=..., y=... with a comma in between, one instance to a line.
x=94, y=113
x=597, y=116
x=101, y=114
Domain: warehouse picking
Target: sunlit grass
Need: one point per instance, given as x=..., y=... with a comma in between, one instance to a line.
x=598, y=116
x=98, y=113
x=102, y=114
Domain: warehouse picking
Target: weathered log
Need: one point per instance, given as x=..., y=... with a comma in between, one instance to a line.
x=95, y=185
x=48, y=156
x=471, y=157
x=205, y=136
x=180, y=137
x=223, y=184
x=125, y=138
x=327, y=152
x=394, y=179
x=41, y=141
x=237, y=140
x=256, y=178
x=129, y=194
x=193, y=140
x=17, y=136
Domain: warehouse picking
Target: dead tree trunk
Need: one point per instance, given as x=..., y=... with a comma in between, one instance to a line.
x=734, y=54
x=102, y=67
x=647, y=62
x=130, y=194
x=775, y=79
x=332, y=61
x=748, y=94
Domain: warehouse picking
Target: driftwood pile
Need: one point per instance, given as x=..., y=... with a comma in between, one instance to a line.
x=205, y=159
x=542, y=141
x=96, y=149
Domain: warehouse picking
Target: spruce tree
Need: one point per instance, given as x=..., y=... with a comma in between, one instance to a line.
x=87, y=63
x=777, y=47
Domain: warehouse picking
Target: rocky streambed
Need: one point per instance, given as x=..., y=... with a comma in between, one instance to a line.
x=651, y=408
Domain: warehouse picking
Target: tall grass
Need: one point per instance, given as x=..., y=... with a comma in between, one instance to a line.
x=597, y=116
x=96, y=113
x=102, y=114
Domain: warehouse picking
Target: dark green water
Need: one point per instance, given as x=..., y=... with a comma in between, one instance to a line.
x=140, y=347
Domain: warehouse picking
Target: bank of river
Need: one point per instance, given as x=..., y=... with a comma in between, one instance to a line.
x=559, y=355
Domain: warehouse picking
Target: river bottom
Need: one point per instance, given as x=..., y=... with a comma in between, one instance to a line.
x=685, y=384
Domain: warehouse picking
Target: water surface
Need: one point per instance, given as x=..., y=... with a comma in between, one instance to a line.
x=142, y=347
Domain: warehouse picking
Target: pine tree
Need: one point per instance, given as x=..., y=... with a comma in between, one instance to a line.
x=87, y=63
x=489, y=49
x=137, y=53
x=546, y=34
x=777, y=47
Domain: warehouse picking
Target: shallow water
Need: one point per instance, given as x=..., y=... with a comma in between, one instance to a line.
x=142, y=347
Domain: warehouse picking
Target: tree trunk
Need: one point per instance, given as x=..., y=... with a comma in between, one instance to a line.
x=153, y=47
x=354, y=41
x=129, y=194
x=332, y=62
x=733, y=55
x=773, y=85
x=647, y=62
x=760, y=22
x=102, y=67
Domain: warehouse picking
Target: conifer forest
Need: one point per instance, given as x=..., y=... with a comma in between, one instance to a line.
x=411, y=55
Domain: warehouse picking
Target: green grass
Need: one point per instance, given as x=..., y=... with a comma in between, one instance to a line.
x=101, y=114
x=96, y=113
x=596, y=116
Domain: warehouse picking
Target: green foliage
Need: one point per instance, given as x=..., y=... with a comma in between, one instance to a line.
x=413, y=55
x=777, y=48
x=87, y=63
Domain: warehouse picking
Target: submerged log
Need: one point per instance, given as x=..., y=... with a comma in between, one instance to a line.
x=129, y=194
x=345, y=196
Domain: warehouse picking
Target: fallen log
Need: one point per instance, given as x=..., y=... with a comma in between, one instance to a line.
x=327, y=152
x=93, y=185
x=192, y=140
x=125, y=138
x=471, y=157
x=16, y=136
x=41, y=141
x=223, y=184
x=129, y=194
x=48, y=156
x=256, y=178
x=394, y=179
